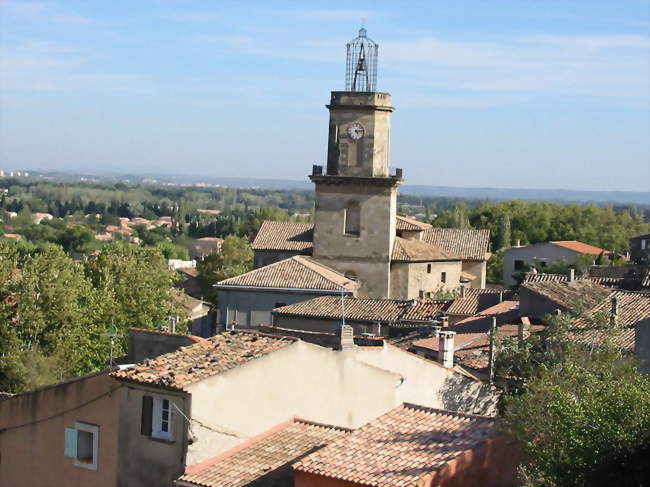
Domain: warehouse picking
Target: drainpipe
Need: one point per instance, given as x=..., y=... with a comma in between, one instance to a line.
x=492, y=355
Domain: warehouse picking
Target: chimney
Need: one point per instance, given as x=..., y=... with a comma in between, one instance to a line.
x=444, y=321
x=614, y=310
x=347, y=337
x=462, y=291
x=518, y=244
x=500, y=296
x=446, y=348
x=522, y=328
x=572, y=274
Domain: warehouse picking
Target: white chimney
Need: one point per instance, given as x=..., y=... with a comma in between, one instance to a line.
x=446, y=348
x=572, y=274
x=518, y=243
x=347, y=337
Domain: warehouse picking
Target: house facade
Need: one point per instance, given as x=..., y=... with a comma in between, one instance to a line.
x=519, y=259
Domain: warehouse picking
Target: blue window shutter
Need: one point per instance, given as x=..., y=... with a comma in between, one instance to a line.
x=70, y=446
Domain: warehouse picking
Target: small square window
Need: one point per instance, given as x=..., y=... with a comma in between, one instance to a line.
x=81, y=443
x=443, y=277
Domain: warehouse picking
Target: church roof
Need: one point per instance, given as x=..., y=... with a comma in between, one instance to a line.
x=284, y=236
x=406, y=223
x=298, y=272
x=466, y=244
x=406, y=250
x=469, y=244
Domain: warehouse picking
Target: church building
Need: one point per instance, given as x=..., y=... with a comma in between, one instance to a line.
x=357, y=232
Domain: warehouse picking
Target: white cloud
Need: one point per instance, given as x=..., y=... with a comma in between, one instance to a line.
x=42, y=11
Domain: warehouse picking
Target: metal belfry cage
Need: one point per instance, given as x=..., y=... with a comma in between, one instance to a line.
x=361, y=66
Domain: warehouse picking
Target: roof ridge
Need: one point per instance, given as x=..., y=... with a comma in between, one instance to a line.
x=419, y=407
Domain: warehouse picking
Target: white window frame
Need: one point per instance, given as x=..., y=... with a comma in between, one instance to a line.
x=94, y=430
x=157, y=421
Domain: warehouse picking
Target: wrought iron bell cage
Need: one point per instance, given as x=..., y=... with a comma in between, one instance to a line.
x=361, y=66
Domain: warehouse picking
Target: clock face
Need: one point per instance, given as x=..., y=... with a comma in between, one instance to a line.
x=355, y=131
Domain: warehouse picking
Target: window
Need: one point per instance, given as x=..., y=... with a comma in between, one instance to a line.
x=81, y=443
x=352, y=219
x=279, y=305
x=519, y=265
x=156, y=419
x=428, y=268
x=443, y=277
x=421, y=294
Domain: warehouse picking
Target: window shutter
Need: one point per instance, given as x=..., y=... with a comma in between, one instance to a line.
x=147, y=412
x=70, y=443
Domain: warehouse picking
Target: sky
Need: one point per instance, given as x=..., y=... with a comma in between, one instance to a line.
x=506, y=94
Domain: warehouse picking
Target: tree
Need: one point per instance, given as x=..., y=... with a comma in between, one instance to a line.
x=581, y=415
x=503, y=237
x=234, y=258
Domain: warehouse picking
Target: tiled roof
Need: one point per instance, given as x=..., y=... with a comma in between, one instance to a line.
x=357, y=309
x=476, y=300
x=632, y=308
x=297, y=272
x=209, y=357
x=284, y=236
x=400, y=447
x=547, y=277
x=468, y=244
x=406, y=223
x=504, y=312
x=406, y=250
x=580, y=247
x=263, y=461
x=577, y=295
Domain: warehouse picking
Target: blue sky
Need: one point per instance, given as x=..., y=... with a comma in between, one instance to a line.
x=532, y=94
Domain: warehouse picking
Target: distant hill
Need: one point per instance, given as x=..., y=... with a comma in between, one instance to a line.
x=555, y=195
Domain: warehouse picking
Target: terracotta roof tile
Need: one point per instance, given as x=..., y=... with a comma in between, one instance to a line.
x=577, y=295
x=209, y=357
x=406, y=223
x=580, y=247
x=400, y=447
x=297, y=272
x=284, y=236
x=406, y=250
x=358, y=309
x=477, y=300
x=265, y=460
x=468, y=244
x=633, y=307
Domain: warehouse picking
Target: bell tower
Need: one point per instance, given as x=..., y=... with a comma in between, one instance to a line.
x=356, y=198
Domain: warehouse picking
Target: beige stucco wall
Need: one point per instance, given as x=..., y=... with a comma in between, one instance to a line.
x=408, y=278
x=32, y=434
x=430, y=384
x=327, y=386
x=345, y=388
x=149, y=461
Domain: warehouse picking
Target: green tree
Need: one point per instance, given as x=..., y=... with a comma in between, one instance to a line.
x=234, y=258
x=503, y=237
x=581, y=415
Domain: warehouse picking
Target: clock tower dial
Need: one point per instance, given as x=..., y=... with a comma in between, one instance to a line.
x=355, y=131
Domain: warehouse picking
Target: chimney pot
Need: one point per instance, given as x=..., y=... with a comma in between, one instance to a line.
x=572, y=274
x=518, y=244
x=347, y=337
x=446, y=348
x=462, y=291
